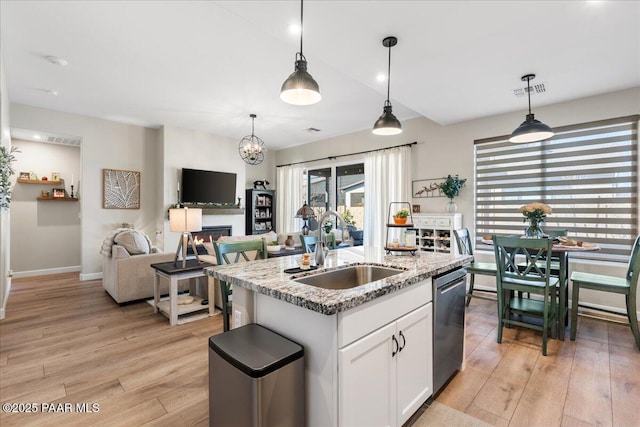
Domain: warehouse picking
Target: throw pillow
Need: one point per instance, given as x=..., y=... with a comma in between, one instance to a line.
x=133, y=241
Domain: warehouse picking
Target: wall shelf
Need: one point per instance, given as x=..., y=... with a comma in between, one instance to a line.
x=38, y=181
x=58, y=199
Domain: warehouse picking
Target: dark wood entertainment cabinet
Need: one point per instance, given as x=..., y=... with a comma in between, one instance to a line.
x=260, y=215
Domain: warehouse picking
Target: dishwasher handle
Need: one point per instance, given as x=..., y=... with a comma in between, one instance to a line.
x=450, y=286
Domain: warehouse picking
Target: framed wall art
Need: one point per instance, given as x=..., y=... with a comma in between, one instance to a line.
x=55, y=176
x=427, y=188
x=58, y=192
x=120, y=189
x=25, y=175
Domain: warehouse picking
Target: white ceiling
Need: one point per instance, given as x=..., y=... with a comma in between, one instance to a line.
x=207, y=65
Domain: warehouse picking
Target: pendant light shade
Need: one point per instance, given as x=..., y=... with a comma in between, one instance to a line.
x=388, y=124
x=300, y=88
x=251, y=148
x=531, y=130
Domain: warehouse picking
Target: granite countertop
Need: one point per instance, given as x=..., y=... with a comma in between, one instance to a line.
x=267, y=276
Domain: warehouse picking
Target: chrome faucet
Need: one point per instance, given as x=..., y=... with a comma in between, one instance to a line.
x=320, y=256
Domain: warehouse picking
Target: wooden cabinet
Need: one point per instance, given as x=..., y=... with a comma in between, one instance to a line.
x=260, y=215
x=385, y=376
x=434, y=232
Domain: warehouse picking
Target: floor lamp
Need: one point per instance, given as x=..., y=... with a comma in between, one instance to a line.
x=185, y=220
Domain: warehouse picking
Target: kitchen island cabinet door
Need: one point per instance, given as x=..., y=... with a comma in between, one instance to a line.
x=367, y=380
x=414, y=381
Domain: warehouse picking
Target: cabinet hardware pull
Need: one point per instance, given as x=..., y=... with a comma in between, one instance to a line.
x=395, y=343
x=404, y=341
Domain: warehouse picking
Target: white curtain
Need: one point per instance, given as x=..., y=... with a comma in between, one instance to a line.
x=289, y=198
x=387, y=178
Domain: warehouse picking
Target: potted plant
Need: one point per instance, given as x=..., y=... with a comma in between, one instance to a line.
x=400, y=216
x=450, y=187
x=7, y=157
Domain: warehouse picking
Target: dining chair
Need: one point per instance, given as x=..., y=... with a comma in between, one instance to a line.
x=532, y=280
x=308, y=243
x=627, y=286
x=242, y=250
x=465, y=247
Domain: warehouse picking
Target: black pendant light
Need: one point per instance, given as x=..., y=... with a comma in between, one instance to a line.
x=251, y=148
x=300, y=88
x=388, y=124
x=531, y=130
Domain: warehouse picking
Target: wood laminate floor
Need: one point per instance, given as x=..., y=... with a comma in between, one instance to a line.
x=66, y=342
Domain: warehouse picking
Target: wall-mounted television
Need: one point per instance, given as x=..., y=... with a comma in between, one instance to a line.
x=200, y=186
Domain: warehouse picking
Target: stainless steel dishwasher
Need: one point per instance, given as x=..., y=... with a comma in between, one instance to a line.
x=448, y=325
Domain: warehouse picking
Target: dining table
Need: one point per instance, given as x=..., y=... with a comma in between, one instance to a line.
x=561, y=251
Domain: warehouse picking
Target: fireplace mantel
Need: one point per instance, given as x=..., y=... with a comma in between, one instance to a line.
x=222, y=211
x=217, y=210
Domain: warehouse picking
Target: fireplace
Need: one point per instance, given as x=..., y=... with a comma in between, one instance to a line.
x=203, y=236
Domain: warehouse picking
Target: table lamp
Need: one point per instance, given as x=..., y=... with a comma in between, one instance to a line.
x=185, y=220
x=305, y=212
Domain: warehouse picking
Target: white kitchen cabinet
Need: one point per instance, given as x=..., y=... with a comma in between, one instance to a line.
x=434, y=232
x=386, y=375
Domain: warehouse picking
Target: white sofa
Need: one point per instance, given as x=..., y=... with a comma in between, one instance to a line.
x=129, y=277
x=127, y=255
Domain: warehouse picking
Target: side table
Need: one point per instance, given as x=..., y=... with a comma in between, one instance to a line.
x=174, y=272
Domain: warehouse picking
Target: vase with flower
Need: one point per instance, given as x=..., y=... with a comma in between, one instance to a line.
x=535, y=214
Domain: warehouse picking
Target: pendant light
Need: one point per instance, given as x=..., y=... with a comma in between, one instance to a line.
x=388, y=124
x=300, y=88
x=251, y=148
x=531, y=130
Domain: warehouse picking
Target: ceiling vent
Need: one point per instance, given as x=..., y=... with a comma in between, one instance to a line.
x=63, y=140
x=312, y=130
x=535, y=89
x=46, y=137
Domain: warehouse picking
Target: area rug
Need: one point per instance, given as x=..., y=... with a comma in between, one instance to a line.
x=438, y=415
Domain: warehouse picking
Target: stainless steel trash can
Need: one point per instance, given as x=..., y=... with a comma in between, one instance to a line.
x=256, y=378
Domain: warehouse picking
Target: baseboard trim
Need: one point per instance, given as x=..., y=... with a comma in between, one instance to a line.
x=90, y=276
x=1, y=313
x=43, y=272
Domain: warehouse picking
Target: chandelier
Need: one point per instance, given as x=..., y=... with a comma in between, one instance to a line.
x=251, y=148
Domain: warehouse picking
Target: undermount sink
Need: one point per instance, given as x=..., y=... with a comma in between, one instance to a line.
x=349, y=277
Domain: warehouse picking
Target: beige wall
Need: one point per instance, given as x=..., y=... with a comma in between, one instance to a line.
x=38, y=227
x=5, y=141
x=183, y=148
x=444, y=150
x=108, y=145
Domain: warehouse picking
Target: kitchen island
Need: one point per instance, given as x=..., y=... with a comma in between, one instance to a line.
x=368, y=349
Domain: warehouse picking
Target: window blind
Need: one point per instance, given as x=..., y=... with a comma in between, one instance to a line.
x=587, y=173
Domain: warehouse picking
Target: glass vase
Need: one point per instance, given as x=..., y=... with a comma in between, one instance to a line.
x=534, y=231
x=452, y=207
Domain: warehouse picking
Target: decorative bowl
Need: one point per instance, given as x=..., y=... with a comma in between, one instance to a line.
x=274, y=248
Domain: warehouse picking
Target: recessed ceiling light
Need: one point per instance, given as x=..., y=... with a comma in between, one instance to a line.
x=381, y=77
x=294, y=29
x=57, y=60
x=37, y=137
x=52, y=92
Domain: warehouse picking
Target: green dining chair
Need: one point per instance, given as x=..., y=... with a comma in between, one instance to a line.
x=465, y=247
x=242, y=250
x=532, y=280
x=627, y=286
